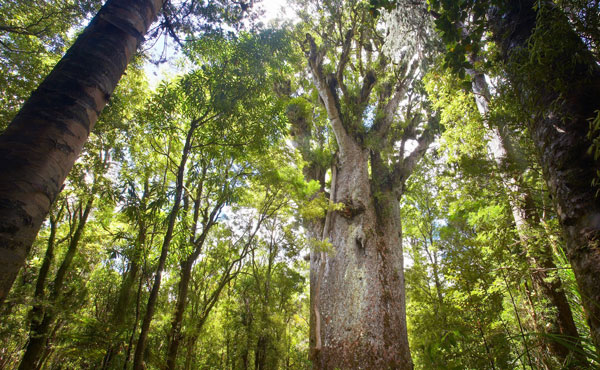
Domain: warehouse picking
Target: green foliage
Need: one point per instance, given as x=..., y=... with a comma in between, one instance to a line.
x=456, y=301
x=33, y=36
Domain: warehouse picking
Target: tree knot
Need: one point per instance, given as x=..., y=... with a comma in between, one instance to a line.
x=351, y=208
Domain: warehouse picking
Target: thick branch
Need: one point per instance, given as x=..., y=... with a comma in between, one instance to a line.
x=328, y=95
x=344, y=58
x=368, y=84
x=404, y=168
x=385, y=115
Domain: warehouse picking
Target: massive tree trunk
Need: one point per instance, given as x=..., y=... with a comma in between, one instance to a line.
x=358, y=318
x=538, y=252
x=564, y=99
x=358, y=287
x=42, y=142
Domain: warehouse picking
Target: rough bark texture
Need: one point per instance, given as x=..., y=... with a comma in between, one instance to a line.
x=41, y=144
x=361, y=296
x=559, y=130
x=538, y=252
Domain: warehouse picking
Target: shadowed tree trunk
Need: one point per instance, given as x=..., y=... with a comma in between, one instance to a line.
x=561, y=101
x=131, y=276
x=175, y=335
x=527, y=220
x=197, y=241
x=210, y=300
x=42, y=142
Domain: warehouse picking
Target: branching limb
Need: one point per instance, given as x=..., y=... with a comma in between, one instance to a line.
x=328, y=95
x=344, y=58
x=404, y=168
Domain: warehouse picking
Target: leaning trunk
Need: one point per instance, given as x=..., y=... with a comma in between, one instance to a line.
x=358, y=316
x=559, y=128
x=42, y=142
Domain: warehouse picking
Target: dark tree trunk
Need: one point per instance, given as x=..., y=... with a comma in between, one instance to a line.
x=176, y=335
x=135, y=321
x=564, y=100
x=42, y=142
x=191, y=345
x=260, y=354
x=120, y=311
x=40, y=283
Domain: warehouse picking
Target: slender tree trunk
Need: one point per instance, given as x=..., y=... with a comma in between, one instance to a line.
x=42, y=142
x=190, y=351
x=518, y=317
x=559, y=129
x=37, y=310
x=122, y=305
x=527, y=220
x=40, y=284
x=138, y=361
x=176, y=335
x=260, y=354
x=135, y=322
x=247, y=322
x=42, y=322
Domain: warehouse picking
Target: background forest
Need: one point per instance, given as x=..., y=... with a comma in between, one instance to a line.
x=354, y=185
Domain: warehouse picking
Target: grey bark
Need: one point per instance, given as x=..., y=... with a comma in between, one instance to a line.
x=358, y=318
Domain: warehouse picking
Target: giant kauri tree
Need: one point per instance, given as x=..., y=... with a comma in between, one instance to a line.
x=357, y=283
